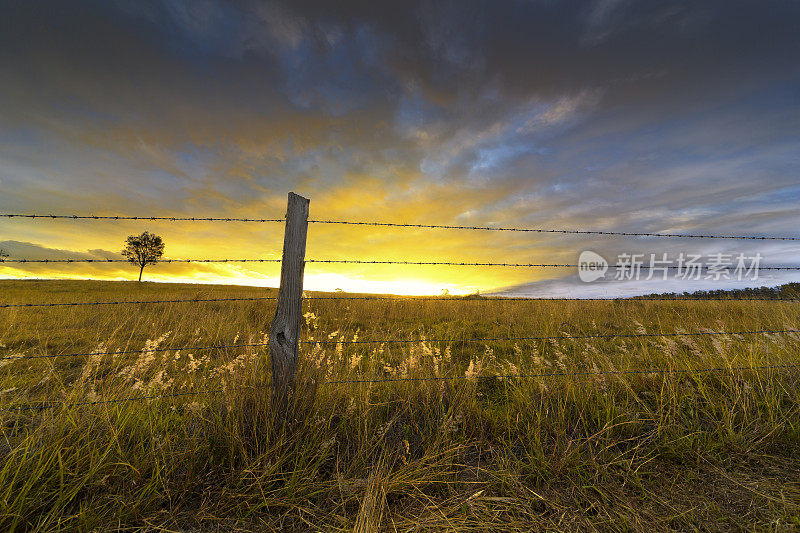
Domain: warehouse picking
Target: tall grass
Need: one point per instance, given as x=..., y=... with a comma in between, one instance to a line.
x=579, y=450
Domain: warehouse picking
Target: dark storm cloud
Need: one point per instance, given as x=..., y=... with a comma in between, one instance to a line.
x=616, y=114
x=547, y=48
x=141, y=59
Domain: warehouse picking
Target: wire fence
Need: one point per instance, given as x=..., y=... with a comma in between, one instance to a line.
x=411, y=299
x=126, y=217
x=517, y=376
x=405, y=225
x=466, y=339
x=127, y=261
x=570, y=374
x=140, y=398
x=418, y=340
x=560, y=231
x=698, y=268
x=136, y=302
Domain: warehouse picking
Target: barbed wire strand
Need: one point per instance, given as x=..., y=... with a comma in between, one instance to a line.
x=581, y=374
x=121, y=352
x=114, y=400
x=408, y=299
x=121, y=217
x=126, y=261
x=556, y=337
x=404, y=225
x=482, y=298
x=119, y=302
x=387, y=341
x=632, y=268
x=562, y=231
x=629, y=267
x=563, y=374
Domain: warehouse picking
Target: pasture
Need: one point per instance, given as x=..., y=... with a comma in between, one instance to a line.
x=629, y=415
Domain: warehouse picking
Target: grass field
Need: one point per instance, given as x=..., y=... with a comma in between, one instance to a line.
x=577, y=450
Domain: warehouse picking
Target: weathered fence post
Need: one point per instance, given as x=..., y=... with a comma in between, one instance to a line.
x=284, y=343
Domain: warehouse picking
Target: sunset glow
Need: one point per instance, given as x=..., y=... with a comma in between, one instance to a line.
x=536, y=116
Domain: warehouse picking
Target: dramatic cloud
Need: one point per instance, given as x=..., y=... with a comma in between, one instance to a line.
x=676, y=116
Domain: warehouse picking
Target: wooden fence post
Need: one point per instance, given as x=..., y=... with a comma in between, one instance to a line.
x=284, y=343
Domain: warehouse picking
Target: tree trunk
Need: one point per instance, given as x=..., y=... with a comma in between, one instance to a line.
x=140, y=272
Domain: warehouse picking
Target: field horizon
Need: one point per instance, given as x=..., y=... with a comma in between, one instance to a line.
x=498, y=293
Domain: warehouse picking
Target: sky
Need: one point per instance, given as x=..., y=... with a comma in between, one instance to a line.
x=611, y=115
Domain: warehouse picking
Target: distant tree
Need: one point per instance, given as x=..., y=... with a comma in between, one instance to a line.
x=142, y=250
x=786, y=291
x=476, y=296
x=3, y=255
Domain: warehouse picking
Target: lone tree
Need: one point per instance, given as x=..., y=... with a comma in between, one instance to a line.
x=3, y=255
x=145, y=249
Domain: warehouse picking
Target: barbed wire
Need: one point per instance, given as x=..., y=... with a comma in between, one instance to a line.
x=562, y=231
x=482, y=298
x=121, y=217
x=555, y=337
x=143, y=350
x=407, y=299
x=374, y=341
x=574, y=374
x=113, y=400
x=119, y=302
x=633, y=268
x=127, y=261
x=389, y=341
x=564, y=374
x=629, y=267
x=450, y=263
x=404, y=225
x=355, y=261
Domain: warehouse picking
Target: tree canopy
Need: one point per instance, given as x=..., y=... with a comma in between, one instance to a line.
x=785, y=291
x=143, y=249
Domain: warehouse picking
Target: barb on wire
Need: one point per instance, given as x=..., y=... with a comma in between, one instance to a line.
x=562, y=231
x=121, y=217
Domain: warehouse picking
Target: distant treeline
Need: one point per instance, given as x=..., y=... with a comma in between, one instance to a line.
x=788, y=290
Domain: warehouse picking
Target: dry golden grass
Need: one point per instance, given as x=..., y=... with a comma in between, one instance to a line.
x=616, y=451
